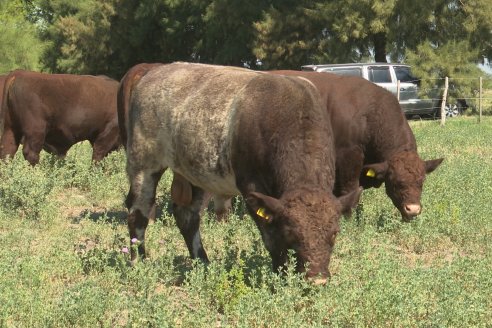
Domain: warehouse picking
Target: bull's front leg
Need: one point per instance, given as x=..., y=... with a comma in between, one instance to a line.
x=188, y=221
x=140, y=202
x=349, y=163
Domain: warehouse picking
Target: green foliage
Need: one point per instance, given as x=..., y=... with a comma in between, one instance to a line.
x=19, y=44
x=229, y=33
x=454, y=60
x=65, y=265
x=25, y=190
x=80, y=41
x=287, y=35
x=110, y=36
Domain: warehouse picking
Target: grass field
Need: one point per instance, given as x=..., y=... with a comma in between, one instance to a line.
x=63, y=228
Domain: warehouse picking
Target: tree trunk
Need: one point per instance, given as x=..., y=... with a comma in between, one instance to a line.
x=380, y=47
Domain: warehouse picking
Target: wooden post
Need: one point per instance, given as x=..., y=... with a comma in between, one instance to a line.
x=480, y=95
x=443, y=104
x=398, y=90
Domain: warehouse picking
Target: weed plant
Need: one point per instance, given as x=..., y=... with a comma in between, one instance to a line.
x=65, y=263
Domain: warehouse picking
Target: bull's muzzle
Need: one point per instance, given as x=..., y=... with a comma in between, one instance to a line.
x=410, y=211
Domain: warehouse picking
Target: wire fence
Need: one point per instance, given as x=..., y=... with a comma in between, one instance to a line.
x=448, y=96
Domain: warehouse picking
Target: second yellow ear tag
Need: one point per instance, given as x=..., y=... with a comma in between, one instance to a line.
x=261, y=213
x=371, y=173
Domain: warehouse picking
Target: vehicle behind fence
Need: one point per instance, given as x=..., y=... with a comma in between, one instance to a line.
x=421, y=97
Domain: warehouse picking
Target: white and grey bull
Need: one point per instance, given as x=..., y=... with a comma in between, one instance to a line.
x=234, y=131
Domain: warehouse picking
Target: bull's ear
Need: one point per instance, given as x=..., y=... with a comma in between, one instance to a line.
x=350, y=200
x=263, y=206
x=432, y=164
x=375, y=171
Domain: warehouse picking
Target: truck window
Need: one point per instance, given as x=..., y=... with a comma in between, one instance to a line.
x=347, y=71
x=403, y=74
x=379, y=74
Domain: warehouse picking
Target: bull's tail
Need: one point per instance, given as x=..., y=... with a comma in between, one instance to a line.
x=131, y=78
x=4, y=109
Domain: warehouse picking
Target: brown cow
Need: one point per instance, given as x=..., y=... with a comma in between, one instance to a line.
x=234, y=131
x=373, y=141
x=2, y=83
x=132, y=76
x=55, y=111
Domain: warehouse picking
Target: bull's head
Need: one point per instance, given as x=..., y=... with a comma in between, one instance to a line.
x=403, y=176
x=302, y=220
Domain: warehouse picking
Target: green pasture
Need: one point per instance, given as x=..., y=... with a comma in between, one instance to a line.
x=63, y=228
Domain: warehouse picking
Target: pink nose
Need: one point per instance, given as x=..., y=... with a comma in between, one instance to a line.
x=318, y=281
x=412, y=209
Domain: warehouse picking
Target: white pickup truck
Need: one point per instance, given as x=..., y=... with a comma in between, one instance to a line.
x=387, y=76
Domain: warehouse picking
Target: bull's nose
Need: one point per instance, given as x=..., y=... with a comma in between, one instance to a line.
x=318, y=281
x=412, y=209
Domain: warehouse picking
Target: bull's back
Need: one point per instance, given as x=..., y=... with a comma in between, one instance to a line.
x=183, y=112
x=206, y=121
x=358, y=108
x=75, y=102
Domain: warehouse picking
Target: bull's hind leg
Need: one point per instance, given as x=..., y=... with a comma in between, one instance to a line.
x=33, y=144
x=188, y=221
x=10, y=143
x=140, y=202
x=105, y=143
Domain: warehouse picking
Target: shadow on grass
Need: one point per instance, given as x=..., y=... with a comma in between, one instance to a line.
x=112, y=217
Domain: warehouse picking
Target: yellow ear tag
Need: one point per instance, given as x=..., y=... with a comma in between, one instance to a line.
x=261, y=213
x=371, y=173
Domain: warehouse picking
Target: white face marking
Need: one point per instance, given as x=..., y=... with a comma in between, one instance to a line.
x=196, y=243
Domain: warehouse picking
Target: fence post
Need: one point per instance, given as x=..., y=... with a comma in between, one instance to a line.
x=443, y=104
x=398, y=90
x=480, y=100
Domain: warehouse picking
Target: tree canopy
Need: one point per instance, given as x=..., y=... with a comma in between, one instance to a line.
x=19, y=46
x=110, y=36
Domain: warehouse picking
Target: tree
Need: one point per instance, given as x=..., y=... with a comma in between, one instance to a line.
x=229, y=34
x=288, y=34
x=319, y=31
x=155, y=31
x=78, y=33
x=19, y=44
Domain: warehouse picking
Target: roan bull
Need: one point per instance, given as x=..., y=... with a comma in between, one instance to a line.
x=234, y=131
x=55, y=111
x=373, y=140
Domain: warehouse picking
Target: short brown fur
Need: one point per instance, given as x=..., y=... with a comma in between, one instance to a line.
x=55, y=111
x=229, y=130
x=370, y=128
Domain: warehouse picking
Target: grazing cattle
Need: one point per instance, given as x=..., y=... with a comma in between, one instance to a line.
x=374, y=143
x=2, y=83
x=55, y=111
x=180, y=188
x=132, y=76
x=234, y=131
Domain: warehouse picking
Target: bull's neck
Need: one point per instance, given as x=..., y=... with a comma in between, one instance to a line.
x=385, y=144
x=305, y=168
